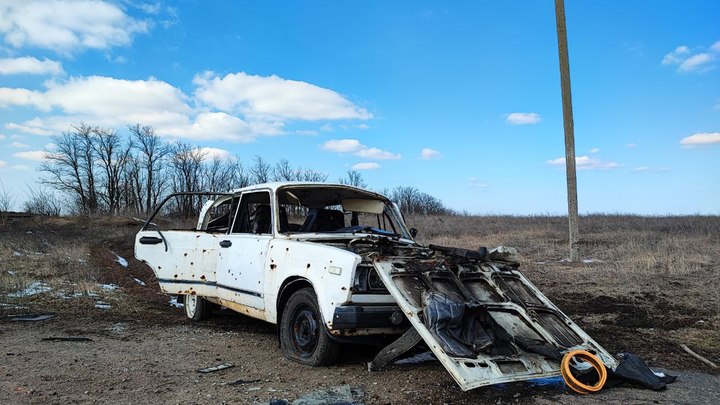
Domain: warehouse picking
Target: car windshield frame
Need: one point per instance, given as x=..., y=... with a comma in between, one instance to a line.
x=309, y=197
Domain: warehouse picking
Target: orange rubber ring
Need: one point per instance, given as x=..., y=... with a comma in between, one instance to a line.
x=570, y=379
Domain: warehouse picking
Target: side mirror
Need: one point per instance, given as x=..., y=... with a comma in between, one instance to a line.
x=413, y=232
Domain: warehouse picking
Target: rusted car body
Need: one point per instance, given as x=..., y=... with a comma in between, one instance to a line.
x=333, y=263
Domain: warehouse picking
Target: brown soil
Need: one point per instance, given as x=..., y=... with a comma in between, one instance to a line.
x=144, y=351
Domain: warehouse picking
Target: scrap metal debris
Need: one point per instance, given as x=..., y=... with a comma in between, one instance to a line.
x=212, y=369
x=338, y=395
x=30, y=317
x=67, y=339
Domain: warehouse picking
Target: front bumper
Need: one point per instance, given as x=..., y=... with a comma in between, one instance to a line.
x=368, y=317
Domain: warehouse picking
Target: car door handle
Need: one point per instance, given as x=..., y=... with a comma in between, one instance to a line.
x=225, y=243
x=150, y=240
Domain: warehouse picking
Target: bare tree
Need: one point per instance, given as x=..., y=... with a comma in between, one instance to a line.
x=186, y=163
x=413, y=201
x=354, y=178
x=149, y=178
x=220, y=175
x=113, y=156
x=312, y=175
x=71, y=167
x=284, y=172
x=43, y=202
x=7, y=199
x=260, y=171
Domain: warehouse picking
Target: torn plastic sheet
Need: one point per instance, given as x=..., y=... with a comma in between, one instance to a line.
x=459, y=327
x=633, y=369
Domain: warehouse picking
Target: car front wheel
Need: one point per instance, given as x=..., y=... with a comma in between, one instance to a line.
x=196, y=308
x=303, y=337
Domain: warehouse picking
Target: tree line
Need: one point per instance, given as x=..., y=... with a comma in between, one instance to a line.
x=99, y=171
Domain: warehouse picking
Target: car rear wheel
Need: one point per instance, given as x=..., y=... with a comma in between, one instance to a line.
x=196, y=308
x=303, y=337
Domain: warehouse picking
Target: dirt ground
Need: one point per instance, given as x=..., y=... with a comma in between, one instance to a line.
x=142, y=350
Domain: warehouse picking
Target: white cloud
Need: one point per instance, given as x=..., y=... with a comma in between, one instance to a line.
x=23, y=98
x=521, y=118
x=630, y=145
x=594, y=150
x=366, y=166
x=33, y=126
x=3, y=163
x=216, y=153
x=358, y=149
x=29, y=65
x=307, y=132
x=66, y=26
x=2, y=137
x=35, y=155
x=342, y=145
x=21, y=167
x=647, y=169
x=111, y=102
x=474, y=182
x=427, y=154
x=693, y=61
x=701, y=139
x=272, y=96
x=585, y=163
x=327, y=128
x=19, y=145
x=378, y=154
x=676, y=56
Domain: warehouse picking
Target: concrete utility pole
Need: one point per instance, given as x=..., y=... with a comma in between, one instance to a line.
x=569, y=130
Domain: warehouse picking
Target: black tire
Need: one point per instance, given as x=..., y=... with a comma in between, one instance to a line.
x=196, y=308
x=303, y=337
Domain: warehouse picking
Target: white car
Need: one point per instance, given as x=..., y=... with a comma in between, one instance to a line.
x=330, y=263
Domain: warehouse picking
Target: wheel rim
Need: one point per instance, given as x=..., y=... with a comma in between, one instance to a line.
x=305, y=331
x=190, y=305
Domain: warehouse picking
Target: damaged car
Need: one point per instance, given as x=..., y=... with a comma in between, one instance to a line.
x=331, y=264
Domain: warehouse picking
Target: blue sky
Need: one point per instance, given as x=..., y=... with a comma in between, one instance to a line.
x=459, y=99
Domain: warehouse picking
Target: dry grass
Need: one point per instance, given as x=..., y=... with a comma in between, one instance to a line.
x=648, y=283
x=46, y=265
x=629, y=246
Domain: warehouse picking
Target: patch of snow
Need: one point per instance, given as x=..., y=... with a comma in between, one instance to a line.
x=137, y=280
x=12, y=273
x=37, y=287
x=174, y=302
x=120, y=260
x=17, y=254
x=82, y=260
x=586, y=261
x=12, y=306
x=102, y=305
x=109, y=287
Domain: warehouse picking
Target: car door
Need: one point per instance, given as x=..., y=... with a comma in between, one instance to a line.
x=242, y=253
